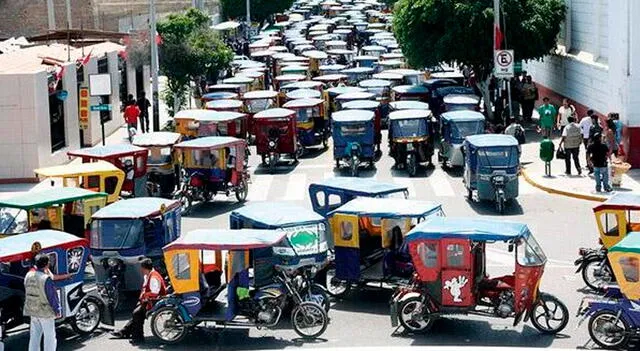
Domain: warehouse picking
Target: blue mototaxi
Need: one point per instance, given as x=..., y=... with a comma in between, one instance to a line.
x=454, y=127
x=129, y=230
x=81, y=305
x=331, y=193
x=368, y=241
x=357, y=74
x=368, y=105
x=491, y=168
x=334, y=92
x=353, y=134
x=306, y=230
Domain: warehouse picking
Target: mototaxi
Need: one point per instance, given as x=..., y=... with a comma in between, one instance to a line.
x=257, y=101
x=411, y=139
x=82, y=306
x=368, y=242
x=449, y=256
x=162, y=165
x=353, y=133
x=206, y=289
x=491, y=168
x=276, y=134
x=202, y=123
x=368, y=105
x=454, y=127
x=312, y=127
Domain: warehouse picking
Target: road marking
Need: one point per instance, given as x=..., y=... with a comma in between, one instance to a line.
x=406, y=182
x=440, y=184
x=296, y=186
x=259, y=189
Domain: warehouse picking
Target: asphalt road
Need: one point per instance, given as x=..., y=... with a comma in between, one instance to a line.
x=560, y=225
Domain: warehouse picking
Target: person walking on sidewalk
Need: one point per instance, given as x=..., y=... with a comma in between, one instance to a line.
x=547, y=117
x=585, y=126
x=529, y=98
x=598, y=154
x=131, y=113
x=564, y=112
x=571, y=140
x=143, y=104
x=41, y=304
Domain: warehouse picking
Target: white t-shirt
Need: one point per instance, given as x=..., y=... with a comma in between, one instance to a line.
x=585, y=125
x=564, y=113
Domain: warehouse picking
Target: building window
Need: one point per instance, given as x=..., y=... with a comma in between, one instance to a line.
x=56, y=119
x=103, y=67
x=122, y=69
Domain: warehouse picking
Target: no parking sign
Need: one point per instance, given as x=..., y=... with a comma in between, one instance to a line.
x=503, y=63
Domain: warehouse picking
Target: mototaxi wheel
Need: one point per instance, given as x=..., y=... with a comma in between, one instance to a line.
x=412, y=167
x=309, y=320
x=242, y=190
x=88, y=317
x=596, y=280
x=547, y=308
x=500, y=202
x=167, y=325
x=353, y=166
x=321, y=293
x=608, y=331
x=335, y=287
x=415, y=316
x=186, y=203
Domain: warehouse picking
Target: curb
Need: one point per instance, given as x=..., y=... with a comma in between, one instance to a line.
x=596, y=198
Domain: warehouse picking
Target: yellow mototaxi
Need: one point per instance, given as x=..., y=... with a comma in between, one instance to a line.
x=100, y=176
x=162, y=164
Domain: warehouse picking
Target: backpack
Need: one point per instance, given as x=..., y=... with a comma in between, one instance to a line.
x=519, y=135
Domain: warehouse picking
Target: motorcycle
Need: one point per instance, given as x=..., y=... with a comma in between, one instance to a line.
x=594, y=266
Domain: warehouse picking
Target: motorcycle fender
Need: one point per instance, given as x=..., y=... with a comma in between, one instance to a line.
x=582, y=261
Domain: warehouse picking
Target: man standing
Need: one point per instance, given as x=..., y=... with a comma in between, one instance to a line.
x=41, y=305
x=547, y=117
x=571, y=139
x=131, y=113
x=152, y=288
x=564, y=112
x=143, y=104
x=585, y=126
x=529, y=97
x=598, y=154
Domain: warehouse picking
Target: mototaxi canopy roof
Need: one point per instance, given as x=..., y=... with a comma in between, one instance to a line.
x=156, y=139
x=49, y=197
x=139, y=207
x=461, y=99
x=620, y=201
x=277, y=214
x=358, y=95
x=332, y=68
x=303, y=94
x=18, y=247
x=223, y=104
x=226, y=239
x=409, y=114
x=211, y=142
x=361, y=105
x=209, y=115
x=374, y=83
x=106, y=151
x=260, y=94
x=630, y=244
x=290, y=77
x=239, y=79
x=387, y=76
x=335, y=91
x=348, y=116
x=475, y=229
x=358, y=70
x=315, y=54
x=303, y=103
x=408, y=105
x=388, y=208
x=462, y=116
x=226, y=26
x=218, y=95
x=74, y=169
x=330, y=78
x=411, y=89
x=491, y=140
x=358, y=186
x=275, y=113
x=404, y=72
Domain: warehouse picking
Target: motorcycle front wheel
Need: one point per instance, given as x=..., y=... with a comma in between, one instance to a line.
x=549, y=315
x=167, y=325
x=414, y=315
x=596, y=274
x=309, y=320
x=87, y=319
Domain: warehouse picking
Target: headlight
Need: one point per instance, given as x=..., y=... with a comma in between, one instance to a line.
x=112, y=262
x=314, y=270
x=272, y=143
x=498, y=179
x=410, y=147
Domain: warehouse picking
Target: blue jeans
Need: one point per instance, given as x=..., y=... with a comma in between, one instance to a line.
x=602, y=176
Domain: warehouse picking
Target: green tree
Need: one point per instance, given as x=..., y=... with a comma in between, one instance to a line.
x=461, y=32
x=260, y=9
x=190, y=52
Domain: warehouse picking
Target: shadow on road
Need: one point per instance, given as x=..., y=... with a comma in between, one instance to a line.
x=373, y=300
x=511, y=208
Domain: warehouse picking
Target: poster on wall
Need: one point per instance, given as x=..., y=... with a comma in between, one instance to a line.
x=83, y=108
x=100, y=84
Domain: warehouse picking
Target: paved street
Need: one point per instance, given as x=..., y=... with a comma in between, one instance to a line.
x=560, y=224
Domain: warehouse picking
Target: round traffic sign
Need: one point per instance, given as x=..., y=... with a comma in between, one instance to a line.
x=504, y=58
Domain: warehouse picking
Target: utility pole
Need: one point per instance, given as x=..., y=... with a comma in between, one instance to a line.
x=154, y=65
x=248, y=18
x=68, y=4
x=51, y=12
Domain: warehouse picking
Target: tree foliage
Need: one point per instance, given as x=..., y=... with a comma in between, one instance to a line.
x=260, y=9
x=461, y=31
x=190, y=52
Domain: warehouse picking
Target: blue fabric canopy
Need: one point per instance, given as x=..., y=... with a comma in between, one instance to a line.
x=491, y=140
x=139, y=207
x=219, y=95
x=388, y=208
x=352, y=116
x=462, y=116
x=359, y=186
x=226, y=239
x=276, y=214
x=468, y=228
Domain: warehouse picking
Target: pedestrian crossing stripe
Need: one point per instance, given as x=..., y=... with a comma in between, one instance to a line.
x=259, y=188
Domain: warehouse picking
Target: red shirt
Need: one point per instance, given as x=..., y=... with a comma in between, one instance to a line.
x=131, y=114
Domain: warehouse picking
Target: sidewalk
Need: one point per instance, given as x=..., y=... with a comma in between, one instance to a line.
x=574, y=185
x=120, y=136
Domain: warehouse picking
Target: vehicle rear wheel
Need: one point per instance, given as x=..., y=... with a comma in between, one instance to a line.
x=167, y=325
x=596, y=274
x=242, y=190
x=185, y=201
x=335, y=287
x=608, y=331
x=549, y=315
x=88, y=317
x=469, y=194
x=500, y=204
x=412, y=167
x=353, y=166
x=299, y=151
x=414, y=316
x=309, y=320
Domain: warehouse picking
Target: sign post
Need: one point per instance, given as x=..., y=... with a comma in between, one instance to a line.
x=503, y=63
x=100, y=86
